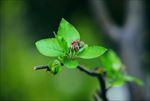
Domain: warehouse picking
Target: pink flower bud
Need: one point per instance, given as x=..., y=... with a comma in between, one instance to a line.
x=74, y=42
x=76, y=47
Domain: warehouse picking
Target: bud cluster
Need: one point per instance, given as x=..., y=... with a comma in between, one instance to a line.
x=76, y=45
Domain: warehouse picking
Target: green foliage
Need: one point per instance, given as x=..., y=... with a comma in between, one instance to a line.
x=114, y=68
x=70, y=63
x=55, y=66
x=62, y=43
x=67, y=31
x=111, y=61
x=49, y=47
x=133, y=79
x=92, y=52
x=118, y=81
x=122, y=78
x=67, y=47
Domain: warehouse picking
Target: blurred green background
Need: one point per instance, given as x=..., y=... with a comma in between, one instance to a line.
x=25, y=21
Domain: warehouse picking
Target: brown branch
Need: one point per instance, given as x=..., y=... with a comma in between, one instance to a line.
x=40, y=67
x=81, y=68
x=102, y=83
x=101, y=80
x=89, y=72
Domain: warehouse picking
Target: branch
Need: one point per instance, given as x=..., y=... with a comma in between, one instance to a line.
x=101, y=80
x=81, y=68
x=104, y=20
x=89, y=72
x=41, y=67
x=102, y=83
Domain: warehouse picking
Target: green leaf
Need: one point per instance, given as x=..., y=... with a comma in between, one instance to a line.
x=63, y=43
x=68, y=31
x=82, y=48
x=133, y=79
x=55, y=67
x=49, y=47
x=111, y=61
x=118, y=82
x=92, y=52
x=122, y=78
x=116, y=78
x=70, y=63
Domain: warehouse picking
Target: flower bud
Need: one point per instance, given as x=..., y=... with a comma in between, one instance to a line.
x=74, y=42
x=77, y=47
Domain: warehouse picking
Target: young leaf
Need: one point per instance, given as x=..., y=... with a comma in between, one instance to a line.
x=67, y=31
x=55, y=67
x=49, y=47
x=63, y=43
x=111, y=61
x=82, y=48
x=69, y=63
x=133, y=79
x=92, y=52
x=118, y=82
x=116, y=79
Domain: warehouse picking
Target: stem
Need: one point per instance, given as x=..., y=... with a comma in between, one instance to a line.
x=100, y=77
x=103, y=87
x=91, y=73
x=41, y=67
x=101, y=80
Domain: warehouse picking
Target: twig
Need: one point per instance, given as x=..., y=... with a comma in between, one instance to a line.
x=41, y=67
x=103, y=87
x=89, y=72
x=101, y=80
x=109, y=88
